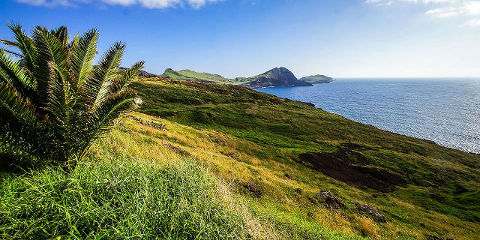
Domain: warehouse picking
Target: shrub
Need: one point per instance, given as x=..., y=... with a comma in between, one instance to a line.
x=53, y=100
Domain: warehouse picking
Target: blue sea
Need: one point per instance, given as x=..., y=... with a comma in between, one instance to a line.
x=446, y=111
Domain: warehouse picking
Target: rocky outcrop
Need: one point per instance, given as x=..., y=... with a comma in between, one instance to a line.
x=277, y=77
x=372, y=211
x=253, y=188
x=329, y=199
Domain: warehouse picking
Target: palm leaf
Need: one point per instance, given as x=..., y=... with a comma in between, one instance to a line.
x=111, y=108
x=97, y=85
x=11, y=72
x=20, y=107
x=126, y=77
x=24, y=44
x=83, y=52
x=50, y=49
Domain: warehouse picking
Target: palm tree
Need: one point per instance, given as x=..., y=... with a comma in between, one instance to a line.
x=53, y=101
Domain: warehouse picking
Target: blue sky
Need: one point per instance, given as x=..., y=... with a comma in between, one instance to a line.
x=340, y=38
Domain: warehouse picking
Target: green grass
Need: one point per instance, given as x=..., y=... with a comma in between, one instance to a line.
x=138, y=183
x=116, y=199
x=277, y=130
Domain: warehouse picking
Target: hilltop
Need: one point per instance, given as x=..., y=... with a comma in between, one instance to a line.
x=276, y=77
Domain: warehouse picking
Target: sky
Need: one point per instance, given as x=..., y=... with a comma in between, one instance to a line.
x=339, y=38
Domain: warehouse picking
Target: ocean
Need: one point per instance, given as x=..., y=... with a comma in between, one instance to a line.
x=446, y=111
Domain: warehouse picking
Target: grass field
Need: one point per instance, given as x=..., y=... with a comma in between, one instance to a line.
x=214, y=161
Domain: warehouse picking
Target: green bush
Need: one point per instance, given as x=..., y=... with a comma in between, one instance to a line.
x=53, y=101
x=115, y=201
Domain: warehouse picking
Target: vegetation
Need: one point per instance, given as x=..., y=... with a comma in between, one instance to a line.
x=250, y=136
x=190, y=75
x=315, y=79
x=116, y=199
x=274, y=77
x=206, y=161
x=53, y=101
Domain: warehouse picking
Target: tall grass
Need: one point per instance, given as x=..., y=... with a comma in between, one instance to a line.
x=114, y=200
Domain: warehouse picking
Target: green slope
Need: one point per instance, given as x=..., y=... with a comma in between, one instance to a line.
x=218, y=161
x=436, y=191
x=190, y=75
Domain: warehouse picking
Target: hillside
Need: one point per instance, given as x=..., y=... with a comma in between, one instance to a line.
x=217, y=161
x=316, y=79
x=276, y=77
x=279, y=155
x=190, y=75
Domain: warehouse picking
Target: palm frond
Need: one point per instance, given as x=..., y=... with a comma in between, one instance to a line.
x=97, y=85
x=50, y=49
x=75, y=40
x=16, y=54
x=20, y=107
x=61, y=34
x=83, y=53
x=11, y=72
x=111, y=108
x=8, y=43
x=25, y=44
x=57, y=99
x=126, y=77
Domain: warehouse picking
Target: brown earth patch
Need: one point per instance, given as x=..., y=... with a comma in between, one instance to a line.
x=349, y=166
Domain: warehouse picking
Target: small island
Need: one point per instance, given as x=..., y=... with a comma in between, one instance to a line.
x=316, y=79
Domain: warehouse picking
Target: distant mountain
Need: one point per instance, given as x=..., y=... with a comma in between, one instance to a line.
x=315, y=79
x=190, y=75
x=277, y=77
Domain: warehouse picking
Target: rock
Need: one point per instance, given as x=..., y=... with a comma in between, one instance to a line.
x=330, y=200
x=275, y=77
x=233, y=156
x=147, y=74
x=175, y=149
x=159, y=126
x=431, y=237
x=372, y=211
x=219, y=141
x=253, y=188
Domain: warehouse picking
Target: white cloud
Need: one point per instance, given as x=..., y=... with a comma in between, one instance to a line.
x=143, y=3
x=473, y=23
x=444, y=8
x=46, y=2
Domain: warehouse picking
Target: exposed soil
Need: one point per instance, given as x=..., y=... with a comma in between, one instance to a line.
x=349, y=166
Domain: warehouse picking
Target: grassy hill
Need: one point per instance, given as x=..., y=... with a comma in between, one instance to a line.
x=287, y=151
x=274, y=77
x=214, y=161
x=190, y=75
